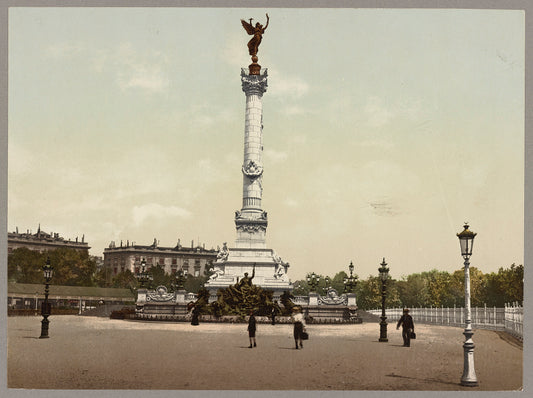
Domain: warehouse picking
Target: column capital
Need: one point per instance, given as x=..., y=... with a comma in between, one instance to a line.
x=254, y=84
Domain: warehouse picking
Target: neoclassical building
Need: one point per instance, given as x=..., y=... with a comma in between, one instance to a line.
x=42, y=241
x=193, y=259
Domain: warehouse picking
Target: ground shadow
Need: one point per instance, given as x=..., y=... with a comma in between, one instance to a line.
x=431, y=380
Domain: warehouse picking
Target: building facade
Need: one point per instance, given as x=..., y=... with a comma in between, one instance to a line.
x=192, y=260
x=42, y=241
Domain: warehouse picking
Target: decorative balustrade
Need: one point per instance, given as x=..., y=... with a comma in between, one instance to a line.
x=509, y=318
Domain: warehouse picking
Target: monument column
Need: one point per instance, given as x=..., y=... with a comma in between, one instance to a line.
x=251, y=220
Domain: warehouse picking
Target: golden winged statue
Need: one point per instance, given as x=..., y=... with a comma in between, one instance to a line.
x=257, y=33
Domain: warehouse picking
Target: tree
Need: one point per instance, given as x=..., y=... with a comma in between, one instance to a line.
x=413, y=291
x=25, y=266
x=368, y=293
x=125, y=280
x=71, y=267
x=505, y=286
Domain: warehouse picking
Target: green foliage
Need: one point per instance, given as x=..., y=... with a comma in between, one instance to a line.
x=71, y=267
x=24, y=266
x=368, y=293
x=505, y=286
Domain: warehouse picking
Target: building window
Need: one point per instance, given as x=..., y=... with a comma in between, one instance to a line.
x=161, y=260
x=196, y=263
x=174, y=261
x=196, y=272
x=137, y=258
x=136, y=270
x=115, y=270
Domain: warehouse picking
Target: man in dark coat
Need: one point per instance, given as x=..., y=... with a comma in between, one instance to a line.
x=408, y=327
x=251, y=329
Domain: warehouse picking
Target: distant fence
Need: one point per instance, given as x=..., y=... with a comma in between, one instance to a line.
x=509, y=319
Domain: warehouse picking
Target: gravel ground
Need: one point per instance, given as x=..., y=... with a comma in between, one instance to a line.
x=99, y=353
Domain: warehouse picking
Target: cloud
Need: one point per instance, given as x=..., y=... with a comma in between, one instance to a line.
x=158, y=211
x=375, y=113
x=291, y=202
x=288, y=86
x=65, y=49
x=275, y=156
x=147, y=77
x=143, y=71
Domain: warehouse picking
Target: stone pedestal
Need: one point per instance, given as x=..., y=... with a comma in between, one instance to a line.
x=180, y=296
x=313, y=299
x=351, y=300
x=141, y=296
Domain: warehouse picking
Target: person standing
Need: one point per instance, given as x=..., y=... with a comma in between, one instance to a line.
x=408, y=327
x=299, y=326
x=273, y=313
x=251, y=329
x=195, y=316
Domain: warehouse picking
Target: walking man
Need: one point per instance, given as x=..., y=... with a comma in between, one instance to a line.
x=408, y=327
x=251, y=329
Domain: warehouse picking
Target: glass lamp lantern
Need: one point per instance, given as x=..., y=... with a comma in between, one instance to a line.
x=383, y=271
x=48, y=271
x=466, y=239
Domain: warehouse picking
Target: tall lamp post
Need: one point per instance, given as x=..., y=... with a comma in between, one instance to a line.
x=143, y=276
x=327, y=284
x=383, y=275
x=466, y=239
x=180, y=279
x=312, y=281
x=46, y=307
x=351, y=281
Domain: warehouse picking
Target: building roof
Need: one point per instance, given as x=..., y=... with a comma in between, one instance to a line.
x=69, y=291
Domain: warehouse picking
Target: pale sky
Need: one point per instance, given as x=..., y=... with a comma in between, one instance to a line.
x=384, y=131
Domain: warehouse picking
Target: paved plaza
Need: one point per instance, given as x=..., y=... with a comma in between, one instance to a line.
x=100, y=353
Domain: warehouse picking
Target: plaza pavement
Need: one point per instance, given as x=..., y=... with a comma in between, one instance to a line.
x=100, y=353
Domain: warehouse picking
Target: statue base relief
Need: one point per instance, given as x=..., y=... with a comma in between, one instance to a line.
x=233, y=263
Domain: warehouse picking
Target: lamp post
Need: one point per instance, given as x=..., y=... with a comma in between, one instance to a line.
x=383, y=275
x=466, y=239
x=351, y=281
x=143, y=276
x=48, y=272
x=312, y=281
x=180, y=279
x=327, y=284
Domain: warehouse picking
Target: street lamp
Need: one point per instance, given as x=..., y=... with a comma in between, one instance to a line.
x=312, y=281
x=383, y=275
x=143, y=276
x=351, y=281
x=466, y=239
x=180, y=279
x=46, y=307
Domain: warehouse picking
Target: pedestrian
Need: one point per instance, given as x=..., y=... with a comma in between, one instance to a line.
x=251, y=329
x=299, y=326
x=273, y=313
x=195, y=316
x=408, y=327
